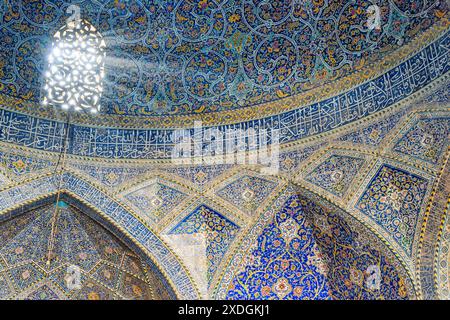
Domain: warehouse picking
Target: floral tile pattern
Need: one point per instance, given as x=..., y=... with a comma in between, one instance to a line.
x=426, y=140
x=285, y=264
x=248, y=52
x=218, y=230
x=349, y=254
x=20, y=165
x=393, y=200
x=156, y=200
x=247, y=192
x=336, y=173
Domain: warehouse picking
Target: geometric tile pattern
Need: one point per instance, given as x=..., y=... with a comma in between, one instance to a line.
x=247, y=192
x=426, y=140
x=217, y=229
x=336, y=173
x=393, y=199
x=20, y=165
x=108, y=269
x=156, y=200
x=90, y=141
x=43, y=293
x=286, y=263
x=87, y=196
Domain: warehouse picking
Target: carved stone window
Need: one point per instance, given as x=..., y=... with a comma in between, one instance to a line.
x=73, y=80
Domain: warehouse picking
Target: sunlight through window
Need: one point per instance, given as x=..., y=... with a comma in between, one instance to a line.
x=73, y=80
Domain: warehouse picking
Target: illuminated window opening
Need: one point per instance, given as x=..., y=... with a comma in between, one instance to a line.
x=73, y=80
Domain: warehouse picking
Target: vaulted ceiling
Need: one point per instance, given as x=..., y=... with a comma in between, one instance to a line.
x=107, y=269
x=362, y=171
x=194, y=57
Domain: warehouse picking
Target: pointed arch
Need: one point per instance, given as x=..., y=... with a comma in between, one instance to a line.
x=88, y=261
x=111, y=214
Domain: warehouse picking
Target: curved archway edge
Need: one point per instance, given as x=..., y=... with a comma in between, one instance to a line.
x=31, y=194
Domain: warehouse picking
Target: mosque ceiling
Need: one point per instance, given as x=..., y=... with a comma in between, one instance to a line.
x=181, y=58
x=409, y=81
x=378, y=187
x=362, y=176
x=108, y=269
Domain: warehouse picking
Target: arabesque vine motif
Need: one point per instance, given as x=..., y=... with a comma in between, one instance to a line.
x=196, y=56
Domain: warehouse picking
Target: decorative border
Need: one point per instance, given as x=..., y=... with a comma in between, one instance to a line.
x=431, y=232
